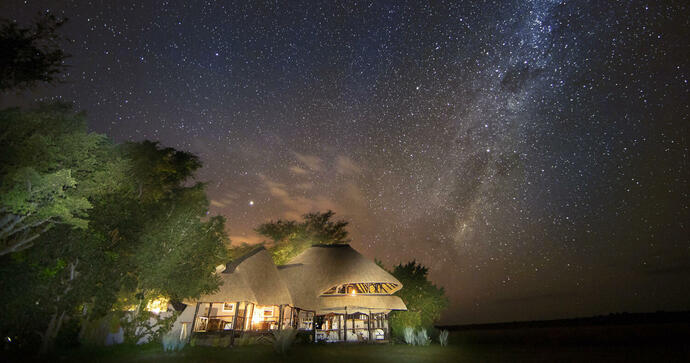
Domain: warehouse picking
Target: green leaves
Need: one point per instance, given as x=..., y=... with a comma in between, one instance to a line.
x=50, y=168
x=159, y=172
x=178, y=252
x=423, y=299
x=290, y=238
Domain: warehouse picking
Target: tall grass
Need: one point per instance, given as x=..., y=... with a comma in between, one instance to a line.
x=443, y=338
x=246, y=339
x=283, y=340
x=409, y=336
x=422, y=338
x=172, y=342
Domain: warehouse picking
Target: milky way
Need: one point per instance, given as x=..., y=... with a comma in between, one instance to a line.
x=533, y=154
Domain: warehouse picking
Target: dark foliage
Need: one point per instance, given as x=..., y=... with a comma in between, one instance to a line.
x=30, y=55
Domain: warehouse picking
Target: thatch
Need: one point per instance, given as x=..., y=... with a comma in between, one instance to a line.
x=320, y=268
x=359, y=304
x=253, y=278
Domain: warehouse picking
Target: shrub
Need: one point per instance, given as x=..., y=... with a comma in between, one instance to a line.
x=422, y=338
x=94, y=332
x=424, y=300
x=172, y=343
x=283, y=339
x=443, y=338
x=399, y=320
x=246, y=339
x=408, y=335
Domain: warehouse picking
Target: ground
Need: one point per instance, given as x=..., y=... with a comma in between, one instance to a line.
x=397, y=353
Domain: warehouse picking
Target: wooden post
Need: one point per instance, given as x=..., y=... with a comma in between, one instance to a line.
x=345, y=323
x=313, y=325
x=208, y=316
x=388, y=326
x=196, y=311
x=234, y=319
x=234, y=323
x=248, y=317
x=369, y=325
x=280, y=318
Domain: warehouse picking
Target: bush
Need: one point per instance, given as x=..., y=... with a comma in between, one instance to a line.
x=95, y=332
x=408, y=335
x=399, y=320
x=172, y=343
x=422, y=338
x=423, y=299
x=443, y=338
x=283, y=340
x=246, y=339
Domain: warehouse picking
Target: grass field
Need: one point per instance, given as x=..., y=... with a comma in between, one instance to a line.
x=386, y=353
x=656, y=342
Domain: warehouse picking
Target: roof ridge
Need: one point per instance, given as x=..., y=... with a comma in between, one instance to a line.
x=232, y=265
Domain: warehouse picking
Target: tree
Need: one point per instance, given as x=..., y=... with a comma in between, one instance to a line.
x=50, y=167
x=148, y=236
x=54, y=170
x=179, y=250
x=30, y=55
x=108, y=223
x=290, y=238
x=423, y=299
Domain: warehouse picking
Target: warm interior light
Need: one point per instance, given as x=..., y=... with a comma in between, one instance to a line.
x=351, y=290
x=157, y=305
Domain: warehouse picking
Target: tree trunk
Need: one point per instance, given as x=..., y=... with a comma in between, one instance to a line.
x=48, y=341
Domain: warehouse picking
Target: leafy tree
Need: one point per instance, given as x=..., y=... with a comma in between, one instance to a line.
x=239, y=250
x=149, y=236
x=50, y=167
x=168, y=246
x=43, y=287
x=179, y=250
x=159, y=172
x=423, y=299
x=110, y=224
x=290, y=238
x=30, y=54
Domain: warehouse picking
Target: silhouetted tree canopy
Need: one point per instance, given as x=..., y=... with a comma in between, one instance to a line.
x=30, y=55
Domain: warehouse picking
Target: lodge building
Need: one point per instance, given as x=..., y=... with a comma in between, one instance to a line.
x=330, y=292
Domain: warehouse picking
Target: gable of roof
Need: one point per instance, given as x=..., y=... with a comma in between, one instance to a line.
x=341, y=264
x=320, y=268
x=252, y=277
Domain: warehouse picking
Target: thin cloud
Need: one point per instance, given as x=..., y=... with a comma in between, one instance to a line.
x=312, y=162
x=296, y=205
x=345, y=165
x=298, y=170
x=218, y=204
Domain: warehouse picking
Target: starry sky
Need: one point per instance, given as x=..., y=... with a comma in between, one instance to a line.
x=532, y=154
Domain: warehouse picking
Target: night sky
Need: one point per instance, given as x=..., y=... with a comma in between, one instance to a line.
x=532, y=154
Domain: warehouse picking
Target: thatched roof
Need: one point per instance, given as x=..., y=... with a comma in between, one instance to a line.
x=320, y=268
x=255, y=278
x=252, y=277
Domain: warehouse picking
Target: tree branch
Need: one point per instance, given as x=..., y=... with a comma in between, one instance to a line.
x=22, y=244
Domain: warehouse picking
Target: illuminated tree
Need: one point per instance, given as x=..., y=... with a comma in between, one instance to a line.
x=50, y=167
x=290, y=238
x=423, y=299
